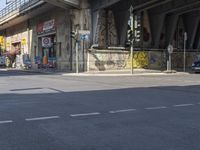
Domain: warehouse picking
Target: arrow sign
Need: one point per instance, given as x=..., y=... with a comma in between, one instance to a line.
x=131, y=9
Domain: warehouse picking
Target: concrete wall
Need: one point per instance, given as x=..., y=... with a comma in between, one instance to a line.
x=107, y=60
x=102, y=60
x=17, y=33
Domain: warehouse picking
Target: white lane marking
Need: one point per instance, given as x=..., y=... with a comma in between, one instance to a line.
x=85, y=114
x=42, y=118
x=183, y=105
x=121, y=111
x=6, y=121
x=155, y=108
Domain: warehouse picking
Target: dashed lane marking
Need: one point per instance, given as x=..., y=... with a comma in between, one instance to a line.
x=121, y=111
x=42, y=118
x=183, y=105
x=156, y=108
x=6, y=122
x=85, y=114
x=98, y=113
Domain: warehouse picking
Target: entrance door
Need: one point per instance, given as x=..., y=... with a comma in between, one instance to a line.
x=48, y=48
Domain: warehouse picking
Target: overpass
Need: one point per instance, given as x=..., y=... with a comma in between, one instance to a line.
x=163, y=18
x=17, y=10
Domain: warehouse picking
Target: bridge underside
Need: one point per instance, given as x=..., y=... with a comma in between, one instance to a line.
x=64, y=3
x=159, y=22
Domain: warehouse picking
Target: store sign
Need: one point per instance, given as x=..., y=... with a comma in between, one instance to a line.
x=16, y=38
x=23, y=41
x=2, y=41
x=46, y=26
x=46, y=42
x=7, y=45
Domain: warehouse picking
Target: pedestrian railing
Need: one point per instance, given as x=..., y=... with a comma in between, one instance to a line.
x=16, y=7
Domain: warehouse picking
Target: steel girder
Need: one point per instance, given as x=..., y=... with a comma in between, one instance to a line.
x=64, y=3
x=170, y=13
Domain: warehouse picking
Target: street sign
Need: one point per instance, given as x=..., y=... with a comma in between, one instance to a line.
x=23, y=41
x=46, y=42
x=84, y=37
x=84, y=32
x=170, y=49
x=185, y=36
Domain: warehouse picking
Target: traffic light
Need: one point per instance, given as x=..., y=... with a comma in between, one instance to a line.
x=74, y=35
x=138, y=28
x=130, y=35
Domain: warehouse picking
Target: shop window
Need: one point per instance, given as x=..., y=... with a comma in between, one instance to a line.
x=60, y=49
x=35, y=51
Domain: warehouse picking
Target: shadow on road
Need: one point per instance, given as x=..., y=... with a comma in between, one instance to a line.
x=143, y=129
x=8, y=73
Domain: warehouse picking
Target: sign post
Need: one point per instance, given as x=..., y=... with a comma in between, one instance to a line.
x=77, y=57
x=84, y=36
x=132, y=38
x=184, y=55
x=74, y=35
x=169, y=63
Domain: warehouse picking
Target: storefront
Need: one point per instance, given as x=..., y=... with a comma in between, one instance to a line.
x=46, y=32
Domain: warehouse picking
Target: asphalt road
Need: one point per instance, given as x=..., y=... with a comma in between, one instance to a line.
x=54, y=112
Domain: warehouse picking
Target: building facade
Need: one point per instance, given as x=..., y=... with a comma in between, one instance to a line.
x=40, y=32
x=43, y=38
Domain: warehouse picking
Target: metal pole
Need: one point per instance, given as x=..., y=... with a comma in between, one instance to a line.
x=132, y=58
x=132, y=47
x=77, y=57
x=184, y=57
x=184, y=63
x=83, y=55
x=170, y=62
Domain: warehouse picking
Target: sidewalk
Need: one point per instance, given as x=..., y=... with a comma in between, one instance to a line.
x=136, y=72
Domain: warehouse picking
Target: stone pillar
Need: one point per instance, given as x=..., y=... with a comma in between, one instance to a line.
x=106, y=31
x=81, y=19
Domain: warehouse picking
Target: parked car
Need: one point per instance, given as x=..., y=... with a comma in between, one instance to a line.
x=196, y=66
x=2, y=61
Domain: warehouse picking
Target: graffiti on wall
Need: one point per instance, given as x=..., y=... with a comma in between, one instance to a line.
x=140, y=60
x=112, y=31
x=106, y=32
x=100, y=34
x=156, y=60
x=108, y=61
x=117, y=61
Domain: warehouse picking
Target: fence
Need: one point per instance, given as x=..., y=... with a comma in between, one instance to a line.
x=16, y=7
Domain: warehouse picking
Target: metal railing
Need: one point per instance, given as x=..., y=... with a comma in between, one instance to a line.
x=17, y=6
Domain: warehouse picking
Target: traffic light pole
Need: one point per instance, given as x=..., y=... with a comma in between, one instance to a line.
x=132, y=40
x=132, y=58
x=74, y=35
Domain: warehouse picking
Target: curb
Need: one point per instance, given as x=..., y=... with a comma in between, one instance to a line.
x=116, y=75
x=101, y=74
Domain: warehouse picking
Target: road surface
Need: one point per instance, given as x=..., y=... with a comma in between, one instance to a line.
x=55, y=112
